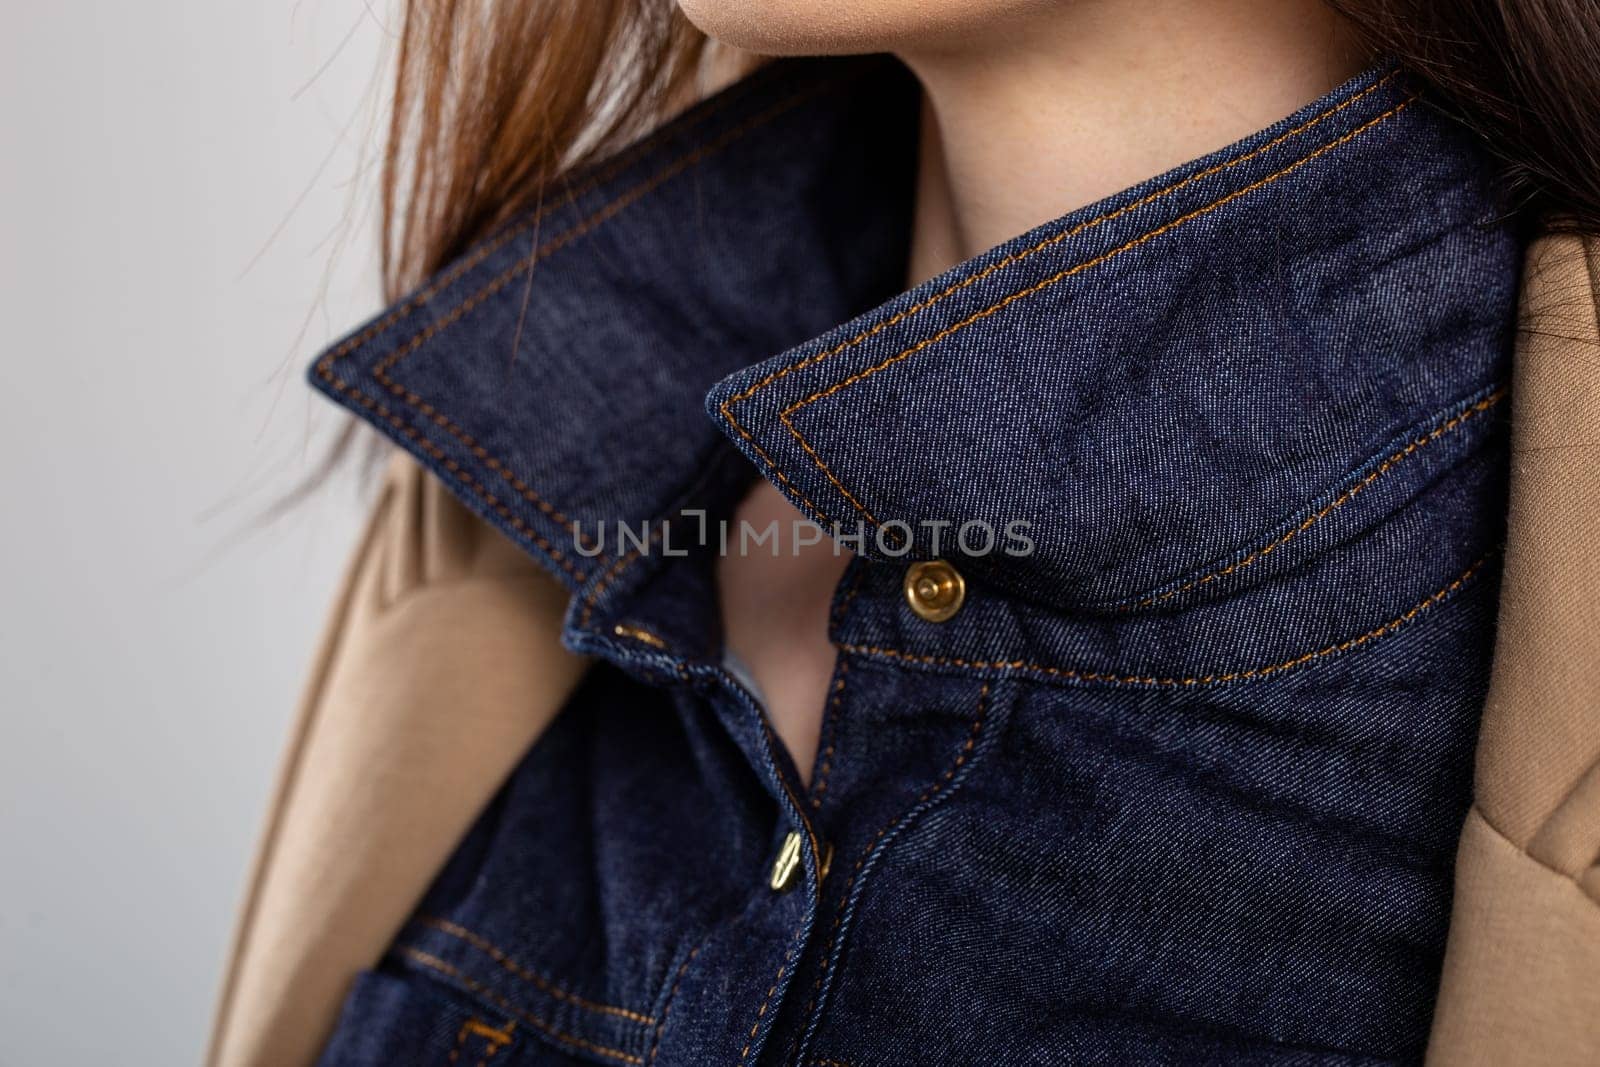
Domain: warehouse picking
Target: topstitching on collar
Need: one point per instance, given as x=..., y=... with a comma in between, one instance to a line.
x=554, y=375
x=1147, y=385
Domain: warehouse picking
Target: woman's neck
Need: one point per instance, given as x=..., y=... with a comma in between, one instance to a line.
x=1083, y=99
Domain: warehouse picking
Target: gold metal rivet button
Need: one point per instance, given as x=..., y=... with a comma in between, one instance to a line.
x=787, y=866
x=935, y=590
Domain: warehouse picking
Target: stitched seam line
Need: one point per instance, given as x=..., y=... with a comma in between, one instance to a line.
x=471, y=260
x=607, y=171
x=460, y=473
x=744, y=1053
x=604, y=214
x=666, y=1008
x=727, y=413
x=819, y=785
x=1048, y=242
x=1037, y=287
x=436, y=964
x=1077, y=675
x=800, y=810
x=1057, y=238
x=494, y=1039
x=1523, y=853
x=544, y=251
x=825, y=971
x=484, y=945
x=613, y=571
x=816, y=859
x=638, y=633
x=783, y=416
x=493, y=1035
x=1344, y=498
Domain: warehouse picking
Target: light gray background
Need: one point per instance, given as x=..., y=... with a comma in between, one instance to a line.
x=174, y=181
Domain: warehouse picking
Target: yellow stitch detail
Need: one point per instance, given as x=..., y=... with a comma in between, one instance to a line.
x=494, y=242
x=1074, y=674
x=638, y=634
x=727, y=414
x=825, y=469
x=604, y=214
x=410, y=433
x=435, y=964
x=1054, y=239
x=479, y=1028
x=1388, y=464
x=744, y=1053
x=1037, y=287
x=611, y=574
x=488, y=948
x=666, y=1009
x=601, y=216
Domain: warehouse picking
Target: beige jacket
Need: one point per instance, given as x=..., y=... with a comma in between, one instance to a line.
x=438, y=611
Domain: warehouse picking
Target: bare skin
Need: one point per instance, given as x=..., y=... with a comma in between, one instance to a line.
x=1032, y=108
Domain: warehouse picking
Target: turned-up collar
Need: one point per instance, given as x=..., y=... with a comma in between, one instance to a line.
x=1146, y=383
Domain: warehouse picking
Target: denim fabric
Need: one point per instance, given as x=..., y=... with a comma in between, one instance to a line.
x=1180, y=785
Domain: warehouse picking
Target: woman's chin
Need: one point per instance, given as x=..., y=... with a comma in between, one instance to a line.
x=827, y=27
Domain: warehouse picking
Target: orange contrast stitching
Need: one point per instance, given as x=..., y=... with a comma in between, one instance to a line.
x=555, y=244
x=1054, y=239
x=461, y=1038
x=489, y=949
x=1344, y=498
x=479, y=1028
x=744, y=1053
x=482, y=252
x=1037, y=287
x=639, y=634
x=436, y=964
x=492, y=244
x=1071, y=674
x=614, y=570
x=410, y=432
x=783, y=416
x=666, y=1008
x=604, y=214
x=495, y=1039
x=1009, y=260
x=727, y=413
x=927, y=794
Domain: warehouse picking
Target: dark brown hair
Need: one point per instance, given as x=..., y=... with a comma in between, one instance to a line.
x=494, y=101
x=1524, y=74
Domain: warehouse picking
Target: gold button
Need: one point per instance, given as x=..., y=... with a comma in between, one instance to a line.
x=787, y=866
x=934, y=590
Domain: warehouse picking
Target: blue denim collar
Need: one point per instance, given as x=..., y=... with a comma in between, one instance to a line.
x=1257, y=311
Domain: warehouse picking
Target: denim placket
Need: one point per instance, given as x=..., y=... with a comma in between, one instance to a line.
x=1255, y=409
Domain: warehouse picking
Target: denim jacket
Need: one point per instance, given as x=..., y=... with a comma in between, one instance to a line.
x=1180, y=783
